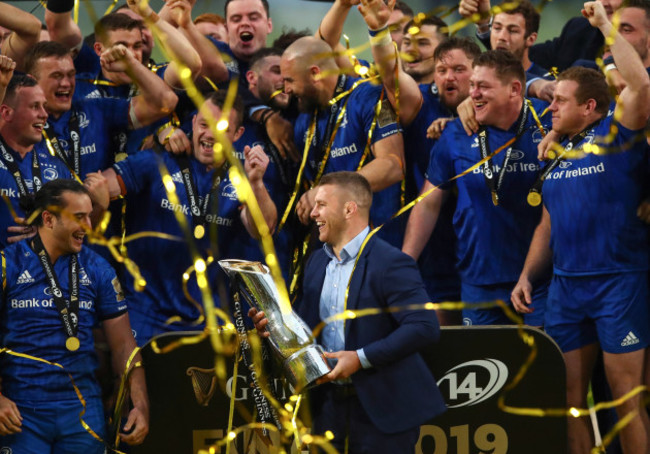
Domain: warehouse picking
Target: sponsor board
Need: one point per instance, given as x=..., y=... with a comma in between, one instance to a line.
x=472, y=366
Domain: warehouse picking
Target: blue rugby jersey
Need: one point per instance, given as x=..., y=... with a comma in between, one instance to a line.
x=99, y=120
x=437, y=262
x=51, y=169
x=593, y=201
x=30, y=324
x=162, y=262
x=492, y=240
x=350, y=142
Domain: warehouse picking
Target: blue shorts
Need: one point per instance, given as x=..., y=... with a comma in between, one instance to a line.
x=611, y=309
x=496, y=316
x=54, y=428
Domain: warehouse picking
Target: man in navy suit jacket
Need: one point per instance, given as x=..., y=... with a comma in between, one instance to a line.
x=380, y=390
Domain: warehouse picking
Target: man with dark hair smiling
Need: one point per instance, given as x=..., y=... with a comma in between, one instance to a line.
x=55, y=291
x=493, y=194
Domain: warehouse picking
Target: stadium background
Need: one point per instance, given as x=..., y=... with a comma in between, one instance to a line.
x=302, y=14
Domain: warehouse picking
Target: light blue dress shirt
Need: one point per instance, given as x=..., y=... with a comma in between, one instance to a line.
x=332, y=298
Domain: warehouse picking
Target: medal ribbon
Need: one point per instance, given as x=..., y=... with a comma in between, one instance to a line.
x=199, y=211
x=535, y=193
x=68, y=309
x=330, y=131
x=11, y=164
x=55, y=149
x=493, y=182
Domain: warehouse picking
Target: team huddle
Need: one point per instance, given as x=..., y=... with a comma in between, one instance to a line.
x=528, y=162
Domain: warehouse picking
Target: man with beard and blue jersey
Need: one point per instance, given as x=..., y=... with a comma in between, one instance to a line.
x=23, y=167
x=591, y=235
x=207, y=200
x=494, y=222
x=430, y=88
x=335, y=136
x=55, y=291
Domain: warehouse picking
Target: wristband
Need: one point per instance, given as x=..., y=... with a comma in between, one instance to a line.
x=380, y=37
x=266, y=115
x=374, y=33
x=609, y=67
x=60, y=6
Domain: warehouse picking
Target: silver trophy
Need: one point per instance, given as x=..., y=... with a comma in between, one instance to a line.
x=290, y=337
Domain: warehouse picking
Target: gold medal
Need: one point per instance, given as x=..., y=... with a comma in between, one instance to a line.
x=199, y=232
x=495, y=198
x=72, y=343
x=534, y=198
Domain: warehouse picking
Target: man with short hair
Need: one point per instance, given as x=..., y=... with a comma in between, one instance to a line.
x=515, y=30
x=577, y=40
x=336, y=136
x=23, y=169
x=590, y=233
x=420, y=46
x=213, y=25
x=126, y=28
x=55, y=291
x=79, y=131
x=493, y=194
x=207, y=200
x=248, y=23
x=380, y=390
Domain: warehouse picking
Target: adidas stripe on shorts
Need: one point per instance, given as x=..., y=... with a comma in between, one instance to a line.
x=610, y=309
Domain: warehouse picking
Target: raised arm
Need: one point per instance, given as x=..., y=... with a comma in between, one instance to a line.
x=26, y=30
x=330, y=29
x=156, y=99
x=7, y=66
x=212, y=65
x=62, y=28
x=388, y=166
x=634, y=100
x=175, y=43
x=376, y=14
x=256, y=163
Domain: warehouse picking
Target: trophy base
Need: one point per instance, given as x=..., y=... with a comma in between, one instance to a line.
x=305, y=367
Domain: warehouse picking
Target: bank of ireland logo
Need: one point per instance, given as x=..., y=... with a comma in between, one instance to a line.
x=473, y=382
x=488, y=172
x=6, y=450
x=565, y=164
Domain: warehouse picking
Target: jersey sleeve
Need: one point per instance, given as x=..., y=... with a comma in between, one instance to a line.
x=110, y=302
x=386, y=124
x=114, y=112
x=441, y=166
x=138, y=170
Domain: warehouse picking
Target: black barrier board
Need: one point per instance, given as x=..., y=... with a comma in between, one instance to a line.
x=189, y=408
x=472, y=366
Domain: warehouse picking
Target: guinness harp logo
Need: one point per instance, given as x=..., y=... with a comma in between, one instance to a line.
x=204, y=383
